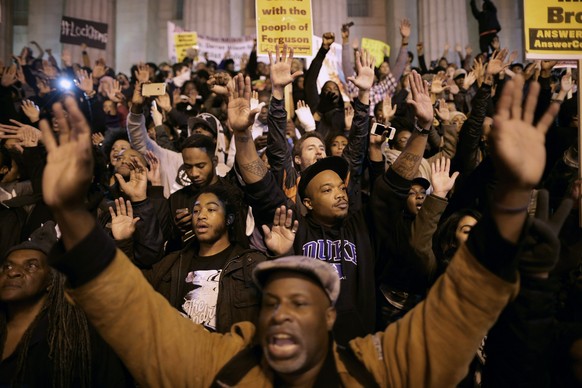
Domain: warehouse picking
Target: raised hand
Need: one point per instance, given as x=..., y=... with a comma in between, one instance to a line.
x=142, y=74
x=137, y=99
x=279, y=239
x=496, y=64
x=327, y=40
x=469, y=80
x=254, y=99
x=84, y=82
x=441, y=182
x=281, y=68
x=31, y=110
x=364, y=70
x=97, y=138
x=405, y=28
x=153, y=174
x=519, y=150
x=304, y=115
x=114, y=94
x=420, y=49
x=24, y=135
x=157, y=117
x=458, y=48
x=421, y=101
x=443, y=111
x=240, y=115
x=388, y=111
x=122, y=221
x=164, y=103
x=468, y=50
x=566, y=83
x=219, y=82
x=436, y=86
x=9, y=76
x=136, y=188
x=49, y=70
x=479, y=71
x=66, y=59
x=69, y=167
x=345, y=33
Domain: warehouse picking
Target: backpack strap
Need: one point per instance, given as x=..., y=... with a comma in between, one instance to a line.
x=237, y=367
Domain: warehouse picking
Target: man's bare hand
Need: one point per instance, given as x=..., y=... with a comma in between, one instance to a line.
x=69, y=167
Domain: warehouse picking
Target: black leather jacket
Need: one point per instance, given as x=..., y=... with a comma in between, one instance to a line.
x=238, y=297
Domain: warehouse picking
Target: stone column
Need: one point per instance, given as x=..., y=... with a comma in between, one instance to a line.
x=440, y=22
x=209, y=17
x=328, y=16
x=44, y=20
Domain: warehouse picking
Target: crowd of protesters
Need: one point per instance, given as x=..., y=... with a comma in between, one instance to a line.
x=443, y=200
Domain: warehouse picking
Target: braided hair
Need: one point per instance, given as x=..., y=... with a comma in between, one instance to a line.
x=68, y=339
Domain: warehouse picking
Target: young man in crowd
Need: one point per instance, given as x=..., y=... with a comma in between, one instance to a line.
x=210, y=279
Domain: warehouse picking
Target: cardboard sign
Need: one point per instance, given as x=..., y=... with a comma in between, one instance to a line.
x=79, y=31
x=182, y=42
x=217, y=47
x=284, y=21
x=376, y=49
x=553, y=29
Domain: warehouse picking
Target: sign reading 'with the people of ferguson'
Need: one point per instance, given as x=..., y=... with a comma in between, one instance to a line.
x=79, y=31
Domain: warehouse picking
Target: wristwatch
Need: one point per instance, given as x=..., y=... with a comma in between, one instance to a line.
x=421, y=129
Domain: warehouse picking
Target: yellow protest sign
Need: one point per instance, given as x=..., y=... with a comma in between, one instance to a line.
x=553, y=29
x=284, y=21
x=183, y=41
x=377, y=48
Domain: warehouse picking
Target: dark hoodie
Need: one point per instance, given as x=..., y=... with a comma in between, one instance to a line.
x=348, y=247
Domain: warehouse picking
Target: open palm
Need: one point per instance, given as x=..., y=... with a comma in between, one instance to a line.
x=279, y=239
x=240, y=115
x=513, y=132
x=420, y=101
x=69, y=166
x=364, y=69
x=281, y=67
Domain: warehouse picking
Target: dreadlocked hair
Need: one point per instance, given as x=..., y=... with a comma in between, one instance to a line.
x=68, y=339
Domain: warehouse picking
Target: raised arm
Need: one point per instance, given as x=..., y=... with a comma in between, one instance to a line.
x=117, y=299
x=311, y=93
x=240, y=116
x=278, y=151
x=400, y=65
x=482, y=278
x=355, y=151
x=407, y=163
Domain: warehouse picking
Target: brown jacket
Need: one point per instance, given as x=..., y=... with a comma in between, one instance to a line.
x=431, y=346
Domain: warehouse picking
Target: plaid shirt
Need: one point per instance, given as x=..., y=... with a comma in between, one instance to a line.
x=378, y=91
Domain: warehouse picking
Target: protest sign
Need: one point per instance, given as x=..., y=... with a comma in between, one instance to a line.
x=79, y=31
x=553, y=29
x=217, y=47
x=184, y=41
x=377, y=49
x=172, y=29
x=283, y=21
